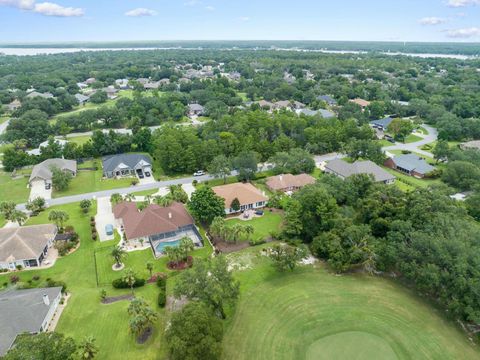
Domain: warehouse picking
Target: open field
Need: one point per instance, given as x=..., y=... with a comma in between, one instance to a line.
x=312, y=314
x=13, y=190
x=263, y=226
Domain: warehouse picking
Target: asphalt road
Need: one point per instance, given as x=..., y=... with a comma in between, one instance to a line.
x=415, y=146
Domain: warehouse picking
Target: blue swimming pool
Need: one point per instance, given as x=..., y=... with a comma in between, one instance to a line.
x=161, y=246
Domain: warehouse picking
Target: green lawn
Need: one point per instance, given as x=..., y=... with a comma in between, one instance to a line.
x=412, y=181
x=262, y=226
x=13, y=190
x=384, y=142
x=312, y=314
x=90, y=181
x=84, y=314
x=412, y=138
x=79, y=140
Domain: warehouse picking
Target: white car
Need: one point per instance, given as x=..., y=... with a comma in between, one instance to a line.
x=199, y=173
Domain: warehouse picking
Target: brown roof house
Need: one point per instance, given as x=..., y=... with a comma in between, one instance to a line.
x=361, y=102
x=289, y=182
x=25, y=246
x=161, y=226
x=247, y=194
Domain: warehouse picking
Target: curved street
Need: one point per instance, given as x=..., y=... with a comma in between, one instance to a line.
x=415, y=146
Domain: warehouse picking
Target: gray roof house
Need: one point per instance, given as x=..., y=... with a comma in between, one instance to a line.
x=326, y=114
x=381, y=124
x=195, y=109
x=46, y=95
x=410, y=164
x=26, y=311
x=343, y=170
x=25, y=246
x=43, y=170
x=82, y=99
x=125, y=165
x=38, y=151
x=328, y=99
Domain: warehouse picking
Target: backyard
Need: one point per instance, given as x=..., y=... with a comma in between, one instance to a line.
x=263, y=226
x=313, y=314
x=15, y=190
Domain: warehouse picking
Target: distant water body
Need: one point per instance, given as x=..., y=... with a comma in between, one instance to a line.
x=47, y=51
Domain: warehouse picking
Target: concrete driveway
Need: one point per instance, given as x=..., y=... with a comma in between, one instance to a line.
x=38, y=190
x=189, y=189
x=104, y=217
x=146, y=180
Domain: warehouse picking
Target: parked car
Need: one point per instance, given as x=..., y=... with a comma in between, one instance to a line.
x=199, y=173
x=141, y=176
x=48, y=186
x=109, y=229
x=147, y=174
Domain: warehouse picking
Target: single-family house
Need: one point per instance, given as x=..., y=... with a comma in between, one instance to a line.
x=122, y=84
x=38, y=151
x=289, y=182
x=111, y=92
x=81, y=99
x=126, y=165
x=25, y=246
x=195, y=109
x=343, y=170
x=82, y=85
x=326, y=114
x=410, y=164
x=470, y=145
x=43, y=172
x=34, y=94
x=161, y=226
x=381, y=124
x=265, y=104
x=14, y=105
x=27, y=311
x=328, y=99
x=90, y=81
x=361, y=102
x=248, y=195
x=151, y=85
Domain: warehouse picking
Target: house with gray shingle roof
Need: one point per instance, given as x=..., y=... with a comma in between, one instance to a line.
x=410, y=164
x=328, y=99
x=326, y=114
x=27, y=311
x=43, y=171
x=25, y=246
x=126, y=165
x=381, y=124
x=82, y=99
x=343, y=170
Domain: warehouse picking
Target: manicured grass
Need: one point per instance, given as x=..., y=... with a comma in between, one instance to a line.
x=412, y=138
x=145, y=192
x=84, y=314
x=2, y=221
x=263, y=226
x=384, y=142
x=90, y=181
x=79, y=140
x=422, y=130
x=4, y=118
x=412, y=181
x=13, y=190
x=312, y=314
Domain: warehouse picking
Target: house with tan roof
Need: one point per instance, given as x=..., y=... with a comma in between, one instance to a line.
x=43, y=172
x=248, y=195
x=161, y=226
x=289, y=182
x=25, y=246
x=361, y=102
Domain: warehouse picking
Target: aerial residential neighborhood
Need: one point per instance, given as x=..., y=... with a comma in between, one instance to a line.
x=259, y=194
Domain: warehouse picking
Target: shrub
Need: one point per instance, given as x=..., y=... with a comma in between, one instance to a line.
x=255, y=242
x=162, y=298
x=162, y=282
x=195, y=182
x=94, y=236
x=19, y=267
x=103, y=295
x=64, y=247
x=36, y=278
x=69, y=229
x=14, y=279
x=3, y=270
x=121, y=284
x=92, y=218
x=53, y=283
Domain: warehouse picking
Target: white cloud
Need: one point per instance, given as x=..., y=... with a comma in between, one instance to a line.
x=21, y=4
x=244, y=18
x=52, y=9
x=464, y=33
x=432, y=20
x=141, y=12
x=462, y=3
x=209, y=8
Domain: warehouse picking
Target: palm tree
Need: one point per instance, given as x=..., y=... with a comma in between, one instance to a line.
x=217, y=226
x=150, y=267
x=148, y=199
x=173, y=253
x=129, y=197
x=142, y=316
x=236, y=231
x=162, y=201
x=186, y=246
x=19, y=217
x=59, y=217
x=248, y=230
x=7, y=208
x=116, y=198
x=129, y=278
x=88, y=349
x=118, y=254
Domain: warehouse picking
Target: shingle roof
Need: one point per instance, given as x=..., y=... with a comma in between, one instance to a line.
x=110, y=163
x=195, y=107
x=25, y=242
x=23, y=311
x=344, y=169
x=412, y=162
x=246, y=193
x=43, y=171
x=326, y=114
x=285, y=181
x=382, y=122
x=152, y=220
x=328, y=99
x=475, y=144
x=361, y=102
x=81, y=98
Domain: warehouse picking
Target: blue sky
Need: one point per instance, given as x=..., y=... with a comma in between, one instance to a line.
x=122, y=20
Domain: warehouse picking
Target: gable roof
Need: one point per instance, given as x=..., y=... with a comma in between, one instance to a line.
x=412, y=162
x=43, y=171
x=382, y=122
x=23, y=311
x=285, y=181
x=111, y=162
x=475, y=145
x=81, y=98
x=328, y=99
x=25, y=242
x=153, y=220
x=326, y=114
x=345, y=169
x=246, y=193
x=195, y=107
x=361, y=102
